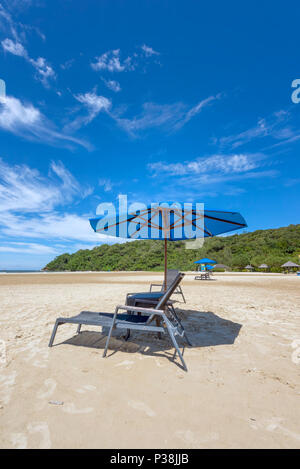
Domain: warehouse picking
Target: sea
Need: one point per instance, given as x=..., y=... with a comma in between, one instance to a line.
x=18, y=271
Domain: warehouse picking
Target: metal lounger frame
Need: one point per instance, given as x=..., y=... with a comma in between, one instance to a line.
x=170, y=274
x=105, y=319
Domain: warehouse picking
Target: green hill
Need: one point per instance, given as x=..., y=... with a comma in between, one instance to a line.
x=273, y=247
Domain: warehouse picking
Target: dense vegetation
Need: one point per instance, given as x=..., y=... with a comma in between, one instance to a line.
x=272, y=247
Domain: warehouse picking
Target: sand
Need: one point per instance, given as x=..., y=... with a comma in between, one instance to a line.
x=241, y=389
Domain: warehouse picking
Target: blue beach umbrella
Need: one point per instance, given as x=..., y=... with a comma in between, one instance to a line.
x=205, y=260
x=168, y=222
x=205, y=263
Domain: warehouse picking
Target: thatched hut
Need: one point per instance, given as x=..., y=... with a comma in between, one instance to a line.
x=290, y=266
x=264, y=267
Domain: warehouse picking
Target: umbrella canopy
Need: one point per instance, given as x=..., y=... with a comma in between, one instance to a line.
x=205, y=260
x=263, y=266
x=249, y=267
x=290, y=264
x=168, y=222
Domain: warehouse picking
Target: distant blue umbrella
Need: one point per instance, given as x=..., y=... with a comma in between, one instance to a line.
x=168, y=222
x=205, y=260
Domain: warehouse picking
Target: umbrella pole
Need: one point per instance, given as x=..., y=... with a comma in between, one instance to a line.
x=158, y=320
x=166, y=264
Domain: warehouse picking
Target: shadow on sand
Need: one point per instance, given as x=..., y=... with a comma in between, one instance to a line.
x=204, y=329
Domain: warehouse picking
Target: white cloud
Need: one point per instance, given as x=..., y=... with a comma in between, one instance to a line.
x=110, y=61
x=24, y=189
x=14, y=28
x=225, y=164
x=199, y=180
x=106, y=184
x=29, y=204
x=112, y=85
x=153, y=115
x=149, y=51
x=44, y=71
x=170, y=117
x=14, y=114
x=7, y=23
x=28, y=122
x=18, y=4
x=28, y=248
x=68, y=64
x=197, y=109
x=214, y=170
x=52, y=226
x=94, y=102
x=274, y=126
x=15, y=48
x=94, y=105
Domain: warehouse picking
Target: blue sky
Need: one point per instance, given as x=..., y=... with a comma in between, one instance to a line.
x=159, y=100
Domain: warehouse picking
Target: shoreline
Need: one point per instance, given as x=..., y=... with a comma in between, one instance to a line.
x=140, y=272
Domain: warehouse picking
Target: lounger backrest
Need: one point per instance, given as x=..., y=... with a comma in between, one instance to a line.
x=162, y=302
x=171, y=276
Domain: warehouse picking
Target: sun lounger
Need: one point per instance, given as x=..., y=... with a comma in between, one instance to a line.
x=171, y=275
x=150, y=299
x=135, y=318
x=203, y=276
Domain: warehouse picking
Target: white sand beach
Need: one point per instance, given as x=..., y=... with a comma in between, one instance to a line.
x=241, y=389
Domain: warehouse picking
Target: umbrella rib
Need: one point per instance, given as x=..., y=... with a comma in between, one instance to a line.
x=146, y=223
x=225, y=221
x=142, y=226
x=200, y=228
x=119, y=223
x=128, y=219
x=175, y=224
x=192, y=222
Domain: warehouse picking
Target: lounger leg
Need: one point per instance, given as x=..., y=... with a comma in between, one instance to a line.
x=173, y=312
x=180, y=289
x=187, y=339
x=177, y=349
x=127, y=335
x=109, y=334
x=54, y=333
x=79, y=328
x=158, y=324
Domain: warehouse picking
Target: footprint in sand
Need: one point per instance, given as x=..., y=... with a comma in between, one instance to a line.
x=2, y=353
x=34, y=353
x=191, y=439
x=6, y=384
x=18, y=441
x=296, y=353
x=137, y=405
x=85, y=388
x=275, y=425
x=71, y=409
x=43, y=358
x=126, y=363
x=43, y=429
x=47, y=389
